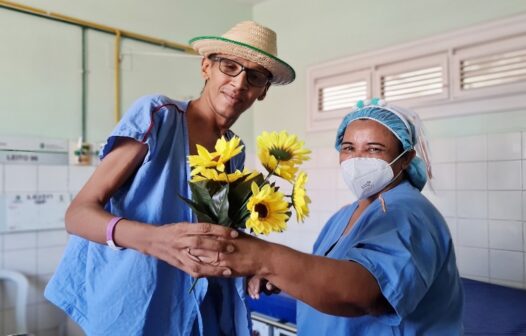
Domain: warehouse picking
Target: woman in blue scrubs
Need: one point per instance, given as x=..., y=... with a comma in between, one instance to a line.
x=383, y=265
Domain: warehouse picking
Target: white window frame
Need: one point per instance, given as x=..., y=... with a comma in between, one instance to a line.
x=486, y=49
x=452, y=47
x=413, y=65
x=323, y=119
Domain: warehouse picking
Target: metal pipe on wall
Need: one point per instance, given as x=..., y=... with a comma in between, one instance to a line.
x=84, y=85
x=95, y=26
x=119, y=34
x=117, y=61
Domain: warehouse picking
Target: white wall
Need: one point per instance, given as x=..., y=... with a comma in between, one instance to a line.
x=326, y=30
x=35, y=253
x=479, y=189
x=41, y=62
x=484, y=214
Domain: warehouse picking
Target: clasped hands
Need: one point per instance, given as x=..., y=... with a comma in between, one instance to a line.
x=209, y=250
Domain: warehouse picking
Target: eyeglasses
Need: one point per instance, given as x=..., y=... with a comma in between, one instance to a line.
x=232, y=68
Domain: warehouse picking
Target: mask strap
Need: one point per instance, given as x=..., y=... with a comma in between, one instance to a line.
x=399, y=173
x=399, y=156
x=401, y=170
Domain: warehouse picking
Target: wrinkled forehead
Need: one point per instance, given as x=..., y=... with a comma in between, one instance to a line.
x=374, y=125
x=370, y=130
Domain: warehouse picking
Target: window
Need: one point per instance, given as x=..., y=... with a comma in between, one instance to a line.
x=423, y=78
x=491, y=68
x=470, y=71
x=335, y=95
x=494, y=70
x=341, y=96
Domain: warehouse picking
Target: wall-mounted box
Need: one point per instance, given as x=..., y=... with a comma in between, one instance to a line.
x=17, y=150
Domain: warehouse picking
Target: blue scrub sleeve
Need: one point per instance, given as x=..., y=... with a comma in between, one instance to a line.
x=401, y=258
x=138, y=123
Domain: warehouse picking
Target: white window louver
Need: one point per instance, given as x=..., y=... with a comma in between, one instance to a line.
x=412, y=84
x=341, y=96
x=504, y=68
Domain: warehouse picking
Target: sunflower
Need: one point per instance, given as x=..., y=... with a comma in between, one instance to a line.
x=300, y=200
x=268, y=210
x=203, y=160
x=214, y=175
x=281, y=153
x=225, y=150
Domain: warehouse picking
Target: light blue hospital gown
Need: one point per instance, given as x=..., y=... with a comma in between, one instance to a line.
x=125, y=292
x=408, y=249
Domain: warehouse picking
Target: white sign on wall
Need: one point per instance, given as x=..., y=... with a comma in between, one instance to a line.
x=33, y=211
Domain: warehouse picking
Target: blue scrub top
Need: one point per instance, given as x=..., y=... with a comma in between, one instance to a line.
x=125, y=292
x=408, y=249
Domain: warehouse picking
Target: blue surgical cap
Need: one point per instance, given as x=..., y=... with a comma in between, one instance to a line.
x=395, y=121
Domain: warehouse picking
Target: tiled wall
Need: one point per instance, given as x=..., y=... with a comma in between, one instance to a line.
x=327, y=191
x=35, y=253
x=480, y=183
x=478, y=189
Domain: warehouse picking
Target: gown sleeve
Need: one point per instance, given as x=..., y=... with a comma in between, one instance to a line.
x=141, y=123
x=403, y=255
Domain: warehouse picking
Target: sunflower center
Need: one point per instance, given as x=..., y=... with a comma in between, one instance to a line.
x=261, y=209
x=280, y=154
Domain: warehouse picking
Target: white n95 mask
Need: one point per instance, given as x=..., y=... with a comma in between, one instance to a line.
x=367, y=176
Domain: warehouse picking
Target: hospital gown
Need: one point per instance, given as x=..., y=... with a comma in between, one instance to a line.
x=125, y=292
x=408, y=249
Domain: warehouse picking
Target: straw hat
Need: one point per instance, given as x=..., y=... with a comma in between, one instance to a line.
x=251, y=41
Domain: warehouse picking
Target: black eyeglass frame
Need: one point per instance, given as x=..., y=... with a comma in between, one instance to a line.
x=242, y=68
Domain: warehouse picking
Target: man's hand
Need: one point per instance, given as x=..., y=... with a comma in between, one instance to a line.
x=195, y=248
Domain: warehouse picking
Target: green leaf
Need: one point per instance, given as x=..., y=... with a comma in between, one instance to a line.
x=239, y=216
x=240, y=192
x=242, y=220
x=200, y=192
x=201, y=196
x=220, y=203
x=214, y=186
x=200, y=210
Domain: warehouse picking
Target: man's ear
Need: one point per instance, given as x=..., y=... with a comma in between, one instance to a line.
x=206, y=67
x=264, y=93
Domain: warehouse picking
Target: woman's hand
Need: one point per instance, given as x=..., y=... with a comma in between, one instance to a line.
x=258, y=284
x=244, y=255
x=249, y=258
x=195, y=248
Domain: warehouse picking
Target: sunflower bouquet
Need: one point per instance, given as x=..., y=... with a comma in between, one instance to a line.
x=248, y=199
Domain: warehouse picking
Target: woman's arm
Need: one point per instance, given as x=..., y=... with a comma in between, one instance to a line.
x=335, y=287
x=87, y=218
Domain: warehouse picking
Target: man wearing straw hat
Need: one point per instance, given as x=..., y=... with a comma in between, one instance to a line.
x=128, y=265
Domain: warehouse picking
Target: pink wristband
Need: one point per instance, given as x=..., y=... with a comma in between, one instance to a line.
x=110, y=228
